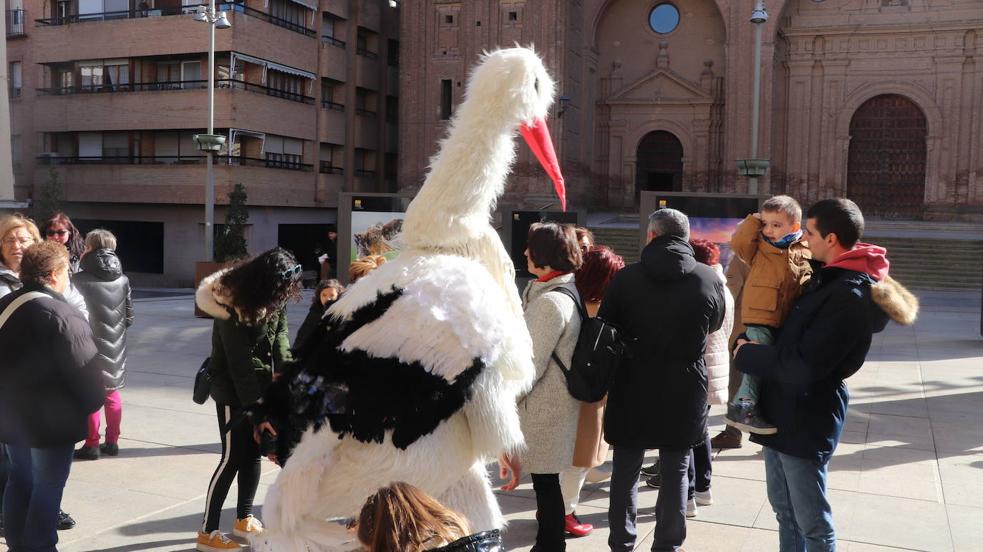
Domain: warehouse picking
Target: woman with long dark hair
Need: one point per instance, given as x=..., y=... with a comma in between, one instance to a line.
x=59, y=228
x=249, y=344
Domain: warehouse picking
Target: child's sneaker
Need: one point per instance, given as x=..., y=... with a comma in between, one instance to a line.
x=744, y=417
x=247, y=527
x=215, y=542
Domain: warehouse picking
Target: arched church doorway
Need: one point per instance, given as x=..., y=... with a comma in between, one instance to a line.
x=659, y=163
x=886, y=166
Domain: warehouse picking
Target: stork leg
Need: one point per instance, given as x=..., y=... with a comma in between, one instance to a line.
x=472, y=497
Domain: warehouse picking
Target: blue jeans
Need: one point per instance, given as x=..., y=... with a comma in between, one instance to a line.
x=35, y=481
x=797, y=492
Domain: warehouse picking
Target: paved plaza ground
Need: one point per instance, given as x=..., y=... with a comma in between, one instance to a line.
x=907, y=476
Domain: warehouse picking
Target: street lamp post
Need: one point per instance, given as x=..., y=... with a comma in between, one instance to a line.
x=210, y=142
x=754, y=167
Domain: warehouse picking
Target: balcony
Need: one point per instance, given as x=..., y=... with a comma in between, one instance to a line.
x=140, y=33
x=182, y=183
x=229, y=160
x=334, y=60
x=366, y=132
x=338, y=8
x=327, y=168
x=236, y=7
x=175, y=105
x=15, y=23
x=176, y=85
x=367, y=72
x=332, y=130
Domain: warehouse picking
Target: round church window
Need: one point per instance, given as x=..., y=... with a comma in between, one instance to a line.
x=664, y=18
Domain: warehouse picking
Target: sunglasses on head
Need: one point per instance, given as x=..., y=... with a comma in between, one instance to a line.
x=292, y=272
x=56, y=232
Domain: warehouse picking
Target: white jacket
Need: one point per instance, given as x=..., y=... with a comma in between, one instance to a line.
x=717, y=354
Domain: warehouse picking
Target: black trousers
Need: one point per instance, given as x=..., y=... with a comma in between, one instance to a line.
x=240, y=457
x=550, y=511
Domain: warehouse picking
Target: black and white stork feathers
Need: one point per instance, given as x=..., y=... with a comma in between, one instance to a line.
x=416, y=374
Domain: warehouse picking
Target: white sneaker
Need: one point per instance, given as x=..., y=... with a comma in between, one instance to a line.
x=691, y=510
x=704, y=498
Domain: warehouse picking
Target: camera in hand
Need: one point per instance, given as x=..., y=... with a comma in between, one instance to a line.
x=267, y=443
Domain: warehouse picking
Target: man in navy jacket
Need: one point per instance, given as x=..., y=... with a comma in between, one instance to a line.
x=824, y=340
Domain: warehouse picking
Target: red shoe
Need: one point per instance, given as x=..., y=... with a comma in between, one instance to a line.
x=577, y=529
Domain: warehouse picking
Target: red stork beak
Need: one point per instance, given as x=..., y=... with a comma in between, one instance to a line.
x=538, y=138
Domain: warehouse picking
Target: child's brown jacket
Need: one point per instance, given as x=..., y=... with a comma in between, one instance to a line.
x=776, y=276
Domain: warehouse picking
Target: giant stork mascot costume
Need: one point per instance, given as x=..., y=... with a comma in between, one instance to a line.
x=416, y=377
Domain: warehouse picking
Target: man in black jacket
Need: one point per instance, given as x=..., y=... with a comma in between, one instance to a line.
x=824, y=341
x=666, y=305
x=48, y=387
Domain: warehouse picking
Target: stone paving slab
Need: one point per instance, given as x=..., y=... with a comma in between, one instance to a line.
x=908, y=474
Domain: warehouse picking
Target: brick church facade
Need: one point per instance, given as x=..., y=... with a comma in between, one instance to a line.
x=878, y=100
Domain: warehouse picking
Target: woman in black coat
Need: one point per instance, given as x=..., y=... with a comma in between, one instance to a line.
x=249, y=344
x=48, y=388
x=107, y=295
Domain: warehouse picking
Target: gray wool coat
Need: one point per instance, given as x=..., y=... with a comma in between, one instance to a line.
x=547, y=413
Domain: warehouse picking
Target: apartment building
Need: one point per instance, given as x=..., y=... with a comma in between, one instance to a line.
x=106, y=96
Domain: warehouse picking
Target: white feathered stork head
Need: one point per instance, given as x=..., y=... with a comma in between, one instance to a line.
x=509, y=91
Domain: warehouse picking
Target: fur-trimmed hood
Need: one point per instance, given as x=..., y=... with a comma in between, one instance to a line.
x=895, y=300
x=212, y=299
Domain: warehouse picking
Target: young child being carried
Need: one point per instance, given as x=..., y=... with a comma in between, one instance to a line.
x=771, y=243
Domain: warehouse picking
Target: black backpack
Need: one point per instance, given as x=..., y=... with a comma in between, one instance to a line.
x=596, y=357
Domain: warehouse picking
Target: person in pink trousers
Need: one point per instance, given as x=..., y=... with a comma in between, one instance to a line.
x=107, y=295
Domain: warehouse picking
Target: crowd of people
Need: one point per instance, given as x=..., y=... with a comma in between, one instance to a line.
x=773, y=338
x=71, y=290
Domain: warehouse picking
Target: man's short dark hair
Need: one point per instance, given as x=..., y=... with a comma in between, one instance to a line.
x=554, y=245
x=838, y=216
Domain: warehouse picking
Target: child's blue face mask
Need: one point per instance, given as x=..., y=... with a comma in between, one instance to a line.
x=787, y=239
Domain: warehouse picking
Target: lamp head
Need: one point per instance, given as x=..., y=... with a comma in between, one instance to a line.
x=760, y=14
x=201, y=14
x=222, y=21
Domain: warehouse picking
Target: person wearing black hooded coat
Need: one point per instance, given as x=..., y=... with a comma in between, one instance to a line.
x=666, y=306
x=107, y=295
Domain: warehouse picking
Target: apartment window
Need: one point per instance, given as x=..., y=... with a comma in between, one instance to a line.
x=332, y=159
x=289, y=11
x=513, y=16
x=63, y=9
x=284, y=153
x=445, y=99
x=392, y=57
x=116, y=145
x=91, y=75
x=16, y=79
x=286, y=86
x=190, y=71
x=332, y=92
x=366, y=102
x=15, y=151
x=332, y=28
x=367, y=43
x=392, y=109
x=90, y=145
x=365, y=162
x=116, y=74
